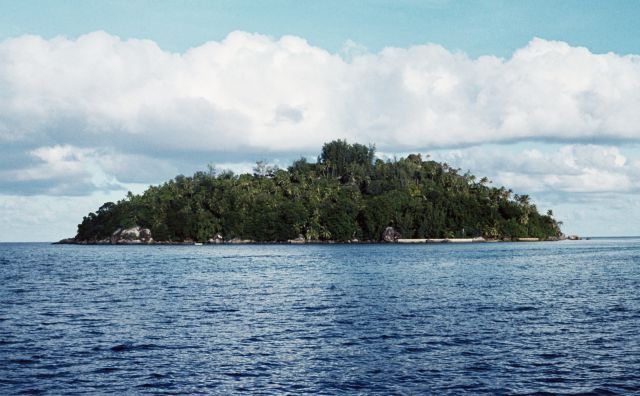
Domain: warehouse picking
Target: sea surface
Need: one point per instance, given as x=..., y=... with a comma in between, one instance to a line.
x=494, y=318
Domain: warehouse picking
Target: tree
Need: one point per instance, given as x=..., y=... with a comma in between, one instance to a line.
x=342, y=159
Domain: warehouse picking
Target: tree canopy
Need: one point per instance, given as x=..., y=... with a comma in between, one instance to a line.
x=346, y=194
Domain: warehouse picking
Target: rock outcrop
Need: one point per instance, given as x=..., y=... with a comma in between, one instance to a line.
x=237, y=240
x=390, y=235
x=216, y=239
x=299, y=239
x=133, y=235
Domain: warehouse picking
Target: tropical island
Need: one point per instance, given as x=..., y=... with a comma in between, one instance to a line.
x=346, y=195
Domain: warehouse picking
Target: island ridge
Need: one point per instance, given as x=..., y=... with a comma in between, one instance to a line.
x=346, y=195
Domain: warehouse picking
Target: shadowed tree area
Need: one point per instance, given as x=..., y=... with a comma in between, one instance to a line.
x=347, y=193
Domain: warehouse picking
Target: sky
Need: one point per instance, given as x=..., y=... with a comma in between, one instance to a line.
x=98, y=98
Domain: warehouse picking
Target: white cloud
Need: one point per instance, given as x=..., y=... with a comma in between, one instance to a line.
x=70, y=170
x=50, y=218
x=567, y=169
x=252, y=93
x=603, y=214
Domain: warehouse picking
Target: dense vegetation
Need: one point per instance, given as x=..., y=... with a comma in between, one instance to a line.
x=347, y=193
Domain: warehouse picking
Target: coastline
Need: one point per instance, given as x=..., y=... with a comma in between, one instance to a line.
x=400, y=241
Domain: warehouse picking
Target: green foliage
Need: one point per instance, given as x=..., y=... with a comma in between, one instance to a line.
x=344, y=160
x=346, y=194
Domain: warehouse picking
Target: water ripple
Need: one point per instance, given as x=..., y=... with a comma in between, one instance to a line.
x=523, y=319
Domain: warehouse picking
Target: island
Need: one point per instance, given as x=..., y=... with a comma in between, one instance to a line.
x=347, y=195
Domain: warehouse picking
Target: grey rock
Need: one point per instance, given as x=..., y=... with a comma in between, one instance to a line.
x=133, y=235
x=390, y=235
x=216, y=239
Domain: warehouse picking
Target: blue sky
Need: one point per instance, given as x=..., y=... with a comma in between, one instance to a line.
x=475, y=27
x=101, y=97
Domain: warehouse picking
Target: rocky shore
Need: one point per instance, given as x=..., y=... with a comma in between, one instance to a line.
x=142, y=236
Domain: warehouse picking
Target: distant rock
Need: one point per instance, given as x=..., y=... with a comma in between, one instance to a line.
x=390, y=235
x=216, y=239
x=299, y=239
x=145, y=235
x=130, y=233
x=133, y=235
x=116, y=235
x=237, y=240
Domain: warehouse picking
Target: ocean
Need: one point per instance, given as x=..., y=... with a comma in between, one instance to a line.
x=492, y=318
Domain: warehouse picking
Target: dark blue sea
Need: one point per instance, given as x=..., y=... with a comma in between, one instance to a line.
x=494, y=318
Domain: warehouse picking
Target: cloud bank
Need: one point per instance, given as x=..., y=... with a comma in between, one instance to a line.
x=584, y=169
x=253, y=92
x=85, y=114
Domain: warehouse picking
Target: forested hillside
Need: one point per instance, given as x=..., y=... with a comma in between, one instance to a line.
x=346, y=194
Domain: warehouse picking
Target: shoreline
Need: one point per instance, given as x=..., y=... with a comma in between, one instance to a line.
x=400, y=241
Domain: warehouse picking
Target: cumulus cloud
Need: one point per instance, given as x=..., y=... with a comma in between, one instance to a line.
x=80, y=114
x=71, y=170
x=574, y=168
x=46, y=217
x=252, y=92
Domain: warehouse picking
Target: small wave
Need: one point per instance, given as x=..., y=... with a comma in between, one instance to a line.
x=106, y=370
x=133, y=347
x=479, y=367
x=416, y=350
x=462, y=341
x=242, y=375
x=313, y=308
x=49, y=313
x=221, y=310
x=553, y=380
x=616, y=388
x=552, y=355
x=161, y=385
x=353, y=385
x=524, y=308
x=598, y=391
x=51, y=374
x=441, y=343
x=32, y=391
x=23, y=361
